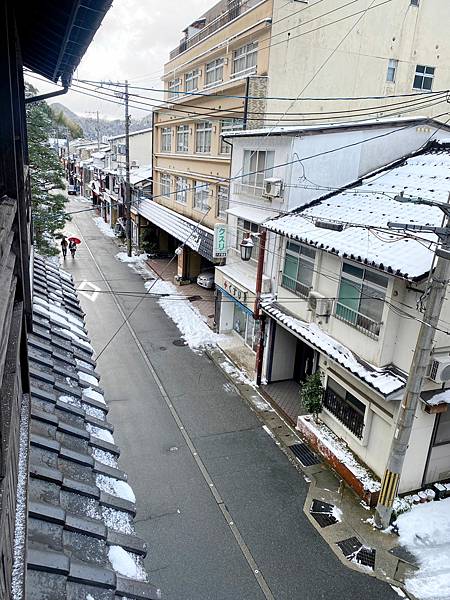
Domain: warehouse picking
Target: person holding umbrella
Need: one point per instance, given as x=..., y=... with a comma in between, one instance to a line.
x=73, y=241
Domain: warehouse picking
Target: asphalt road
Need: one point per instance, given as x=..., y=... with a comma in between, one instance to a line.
x=218, y=503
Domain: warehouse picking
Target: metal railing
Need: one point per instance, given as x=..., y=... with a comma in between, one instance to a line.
x=346, y=414
x=358, y=320
x=235, y=9
x=295, y=286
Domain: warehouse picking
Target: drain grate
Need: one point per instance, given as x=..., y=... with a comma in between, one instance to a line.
x=354, y=551
x=304, y=455
x=194, y=298
x=323, y=513
x=179, y=342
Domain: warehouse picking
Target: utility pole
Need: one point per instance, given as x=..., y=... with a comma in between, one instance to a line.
x=98, y=132
x=405, y=418
x=127, y=172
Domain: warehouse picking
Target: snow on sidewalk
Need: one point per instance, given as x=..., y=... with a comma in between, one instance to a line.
x=425, y=532
x=104, y=227
x=186, y=317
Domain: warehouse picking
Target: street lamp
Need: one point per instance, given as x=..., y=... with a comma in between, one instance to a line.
x=247, y=246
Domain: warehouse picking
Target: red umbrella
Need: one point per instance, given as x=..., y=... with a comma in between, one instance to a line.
x=74, y=239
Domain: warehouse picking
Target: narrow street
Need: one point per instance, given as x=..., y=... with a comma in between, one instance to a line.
x=220, y=506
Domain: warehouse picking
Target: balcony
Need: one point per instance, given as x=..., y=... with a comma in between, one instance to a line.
x=236, y=8
x=351, y=418
x=358, y=320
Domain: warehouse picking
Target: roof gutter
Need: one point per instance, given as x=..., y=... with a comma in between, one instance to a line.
x=33, y=99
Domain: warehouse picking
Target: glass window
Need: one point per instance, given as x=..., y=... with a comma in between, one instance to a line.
x=181, y=190
x=174, y=88
x=222, y=201
x=443, y=429
x=214, y=72
x=227, y=125
x=345, y=407
x=244, y=59
x=258, y=164
x=166, y=139
x=203, y=137
x=191, y=81
x=164, y=184
x=298, y=269
x=239, y=320
x=201, y=196
x=423, y=79
x=182, y=138
x=361, y=298
x=392, y=70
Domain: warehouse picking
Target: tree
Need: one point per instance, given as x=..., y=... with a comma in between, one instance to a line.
x=311, y=393
x=63, y=122
x=46, y=175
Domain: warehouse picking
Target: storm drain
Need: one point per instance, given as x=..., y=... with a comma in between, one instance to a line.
x=179, y=342
x=195, y=298
x=304, y=455
x=354, y=551
x=323, y=513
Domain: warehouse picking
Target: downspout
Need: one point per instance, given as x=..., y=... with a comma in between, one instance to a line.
x=257, y=308
x=32, y=99
x=247, y=89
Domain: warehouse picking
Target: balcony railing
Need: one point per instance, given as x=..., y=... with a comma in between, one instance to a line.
x=235, y=9
x=358, y=320
x=346, y=414
x=295, y=286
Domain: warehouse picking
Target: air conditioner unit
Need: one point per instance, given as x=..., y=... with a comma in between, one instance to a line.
x=272, y=187
x=439, y=369
x=319, y=304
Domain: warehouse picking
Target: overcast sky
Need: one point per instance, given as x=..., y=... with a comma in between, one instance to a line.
x=132, y=43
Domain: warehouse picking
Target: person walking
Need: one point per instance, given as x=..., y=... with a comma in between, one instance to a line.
x=64, y=246
x=72, y=248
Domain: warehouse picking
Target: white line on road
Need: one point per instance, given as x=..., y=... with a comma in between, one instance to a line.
x=200, y=464
x=90, y=295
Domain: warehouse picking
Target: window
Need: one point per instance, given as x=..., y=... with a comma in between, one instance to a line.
x=191, y=81
x=245, y=326
x=414, y=2
x=345, y=407
x=298, y=268
x=245, y=227
x=166, y=139
x=443, y=429
x=361, y=298
x=225, y=126
x=244, y=59
x=174, y=88
x=182, y=138
x=258, y=164
x=423, y=79
x=214, y=72
x=181, y=190
x=201, y=196
x=392, y=70
x=203, y=137
x=164, y=184
x=222, y=201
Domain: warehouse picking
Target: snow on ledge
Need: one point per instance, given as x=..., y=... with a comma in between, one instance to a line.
x=126, y=563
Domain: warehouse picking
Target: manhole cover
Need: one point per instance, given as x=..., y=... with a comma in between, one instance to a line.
x=179, y=342
x=304, y=455
x=323, y=513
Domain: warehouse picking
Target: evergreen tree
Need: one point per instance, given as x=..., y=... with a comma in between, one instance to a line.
x=46, y=173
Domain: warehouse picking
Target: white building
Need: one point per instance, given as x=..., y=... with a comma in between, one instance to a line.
x=344, y=302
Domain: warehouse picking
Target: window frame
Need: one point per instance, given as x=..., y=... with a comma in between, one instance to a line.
x=248, y=53
x=254, y=172
x=181, y=188
x=391, y=73
x=222, y=213
x=165, y=187
x=174, y=87
x=203, y=137
x=228, y=125
x=182, y=133
x=191, y=77
x=214, y=66
x=303, y=262
x=424, y=76
x=166, y=134
x=345, y=407
x=201, y=196
x=243, y=228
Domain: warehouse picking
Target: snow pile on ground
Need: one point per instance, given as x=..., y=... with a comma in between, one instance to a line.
x=104, y=227
x=237, y=375
x=342, y=452
x=425, y=532
x=136, y=258
x=126, y=563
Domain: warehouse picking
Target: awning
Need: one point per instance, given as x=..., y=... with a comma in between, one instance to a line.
x=253, y=214
x=436, y=397
x=197, y=237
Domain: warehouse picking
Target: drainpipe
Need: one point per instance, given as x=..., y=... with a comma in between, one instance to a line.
x=32, y=99
x=247, y=90
x=257, y=307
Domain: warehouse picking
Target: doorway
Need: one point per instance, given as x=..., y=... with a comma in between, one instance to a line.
x=304, y=362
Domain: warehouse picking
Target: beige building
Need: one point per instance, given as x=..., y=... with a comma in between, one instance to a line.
x=398, y=47
x=220, y=53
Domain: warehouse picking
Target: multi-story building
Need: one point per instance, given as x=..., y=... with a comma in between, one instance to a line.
x=220, y=53
x=342, y=50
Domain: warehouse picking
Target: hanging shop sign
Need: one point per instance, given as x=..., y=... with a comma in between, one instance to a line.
x=220, y=241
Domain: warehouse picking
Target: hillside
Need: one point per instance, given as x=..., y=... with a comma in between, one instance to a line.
x=107, y=127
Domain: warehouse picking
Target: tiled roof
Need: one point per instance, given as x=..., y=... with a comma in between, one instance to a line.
x=371, y=203
x=81, y=539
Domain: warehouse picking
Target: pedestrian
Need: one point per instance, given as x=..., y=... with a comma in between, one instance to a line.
x=72, y=248
x=64, y=246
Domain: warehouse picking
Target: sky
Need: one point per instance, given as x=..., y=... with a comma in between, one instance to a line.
x=132, y=43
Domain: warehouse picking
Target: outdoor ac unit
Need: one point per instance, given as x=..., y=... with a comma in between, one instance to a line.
x=319, y=304
x=272, y=187
x=439, y=369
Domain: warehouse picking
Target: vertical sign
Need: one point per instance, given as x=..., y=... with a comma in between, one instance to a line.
x=220, y=241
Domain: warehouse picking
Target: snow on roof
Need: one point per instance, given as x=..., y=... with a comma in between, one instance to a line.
x=140, y=174
x=122, y=135
x=372, y=203
x=383, y=380
x=296, y=129
x=435, y=397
